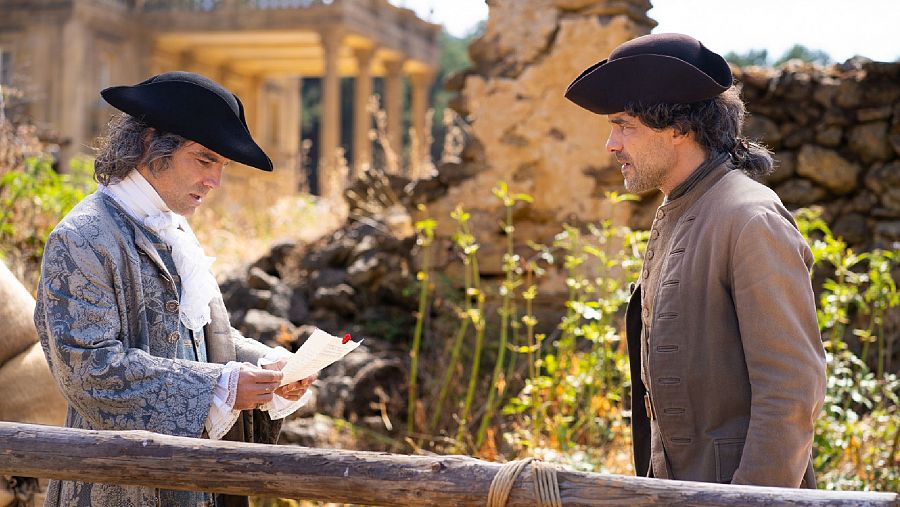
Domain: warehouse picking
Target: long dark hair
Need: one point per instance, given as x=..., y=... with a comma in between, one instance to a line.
x=122, y=149
x=716, y=125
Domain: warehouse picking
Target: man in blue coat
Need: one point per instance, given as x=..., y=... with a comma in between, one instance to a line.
x=128, y=312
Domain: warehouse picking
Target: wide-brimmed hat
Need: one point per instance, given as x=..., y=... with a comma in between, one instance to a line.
x=196, y=108
x=658, y=68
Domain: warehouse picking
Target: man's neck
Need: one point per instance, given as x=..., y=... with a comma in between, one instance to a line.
x=688, y=158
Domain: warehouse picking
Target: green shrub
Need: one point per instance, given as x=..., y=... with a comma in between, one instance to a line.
x=33, y=198
x=564, y=396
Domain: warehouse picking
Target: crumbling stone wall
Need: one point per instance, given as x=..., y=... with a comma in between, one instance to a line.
x=836, y=135
x=531, y=136
x=835, y=130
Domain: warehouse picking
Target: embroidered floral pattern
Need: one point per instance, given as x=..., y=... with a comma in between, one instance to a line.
x=107, y=336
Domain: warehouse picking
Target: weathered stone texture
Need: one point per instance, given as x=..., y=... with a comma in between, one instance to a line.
x=516, y=38
x=870, y=142
x=533, y=138
x=827, y=168
x=830, y=127
x=836, y=131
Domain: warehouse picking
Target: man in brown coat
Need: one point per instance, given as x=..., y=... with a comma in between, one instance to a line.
x=728, y=368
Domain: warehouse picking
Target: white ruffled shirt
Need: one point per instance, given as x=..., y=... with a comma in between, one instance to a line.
x=198, y=288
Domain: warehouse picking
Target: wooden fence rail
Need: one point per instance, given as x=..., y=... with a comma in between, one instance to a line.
x=149, y=459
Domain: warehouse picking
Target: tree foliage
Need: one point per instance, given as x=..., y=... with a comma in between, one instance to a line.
x=761, y=57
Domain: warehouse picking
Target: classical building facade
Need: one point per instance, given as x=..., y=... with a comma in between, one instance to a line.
x=62, y=52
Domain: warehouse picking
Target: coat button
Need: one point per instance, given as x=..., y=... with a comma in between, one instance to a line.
x=646, y=273
x=649, y=254
x=654, y=234
x=645, y=312
x=174, y=337
x=172, y=306
x=660, y=214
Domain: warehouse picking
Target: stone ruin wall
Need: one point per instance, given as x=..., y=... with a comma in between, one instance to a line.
x=835, y=131
x=836, y=136
x=529, y=135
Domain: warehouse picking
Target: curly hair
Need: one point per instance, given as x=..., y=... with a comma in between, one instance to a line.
x=716, y=125
x=130, y=143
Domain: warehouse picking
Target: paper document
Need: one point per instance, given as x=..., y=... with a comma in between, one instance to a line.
x=320, y=350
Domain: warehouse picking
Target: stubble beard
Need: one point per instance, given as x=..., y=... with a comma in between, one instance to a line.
x=649, y=176
x=650, y=172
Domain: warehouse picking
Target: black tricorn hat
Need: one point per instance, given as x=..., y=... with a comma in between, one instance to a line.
x=658, y=68
x=194, y=107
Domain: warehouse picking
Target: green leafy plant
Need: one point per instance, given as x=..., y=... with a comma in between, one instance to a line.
x=512, y=280
x=33, y=198
x=566, y=399
x=425, y=239
x=857, y=440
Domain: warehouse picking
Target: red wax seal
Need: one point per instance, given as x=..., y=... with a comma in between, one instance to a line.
x=346, y=339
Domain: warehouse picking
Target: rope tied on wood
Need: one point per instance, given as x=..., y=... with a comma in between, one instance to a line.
x=546, y=484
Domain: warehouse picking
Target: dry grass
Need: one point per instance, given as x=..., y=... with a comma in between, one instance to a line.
x=239, y=227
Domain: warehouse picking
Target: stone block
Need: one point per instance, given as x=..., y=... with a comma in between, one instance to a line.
x=785, y=167
x=573, y=5
x=888, y=231
x=764, y=129
x=298, y=313
x=338, y=299
x=873, y=114
x=259, y=279
x=799, y=137
x=852, y=227
x=756, y=77
x=828, y=168
x=870, y=141
x=826, y=91
x=849, y=94
x=800, y=192
x=862, y=202
x=829, y=136
x=264, y=326
x=884, y=181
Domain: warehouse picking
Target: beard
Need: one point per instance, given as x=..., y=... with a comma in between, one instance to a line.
x=649, y=171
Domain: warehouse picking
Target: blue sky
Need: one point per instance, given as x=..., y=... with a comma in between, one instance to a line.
x=841, y=28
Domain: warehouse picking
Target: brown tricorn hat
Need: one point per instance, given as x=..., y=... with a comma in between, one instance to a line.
x=658, y=68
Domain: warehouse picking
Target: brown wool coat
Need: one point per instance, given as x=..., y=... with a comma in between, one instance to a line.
x=722, y=332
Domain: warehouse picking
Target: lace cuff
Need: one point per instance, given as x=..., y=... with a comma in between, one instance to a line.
x=222, y=416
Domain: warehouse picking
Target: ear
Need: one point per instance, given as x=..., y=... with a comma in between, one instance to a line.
x=680, y=136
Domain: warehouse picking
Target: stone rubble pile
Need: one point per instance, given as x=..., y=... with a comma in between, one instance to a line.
x=358, y=280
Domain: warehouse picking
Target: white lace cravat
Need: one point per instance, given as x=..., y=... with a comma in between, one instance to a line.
x=198, y=285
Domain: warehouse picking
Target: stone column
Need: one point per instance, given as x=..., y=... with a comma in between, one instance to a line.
x=40, y=48
x=362, y=122
x=330, y=122
x=419, y=156
x=289, y=126
x=256, y=112
x=75, y=101
x=393, y=105
x=290, y=120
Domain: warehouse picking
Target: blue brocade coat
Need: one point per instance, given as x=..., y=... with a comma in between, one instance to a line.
x=107, y=316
